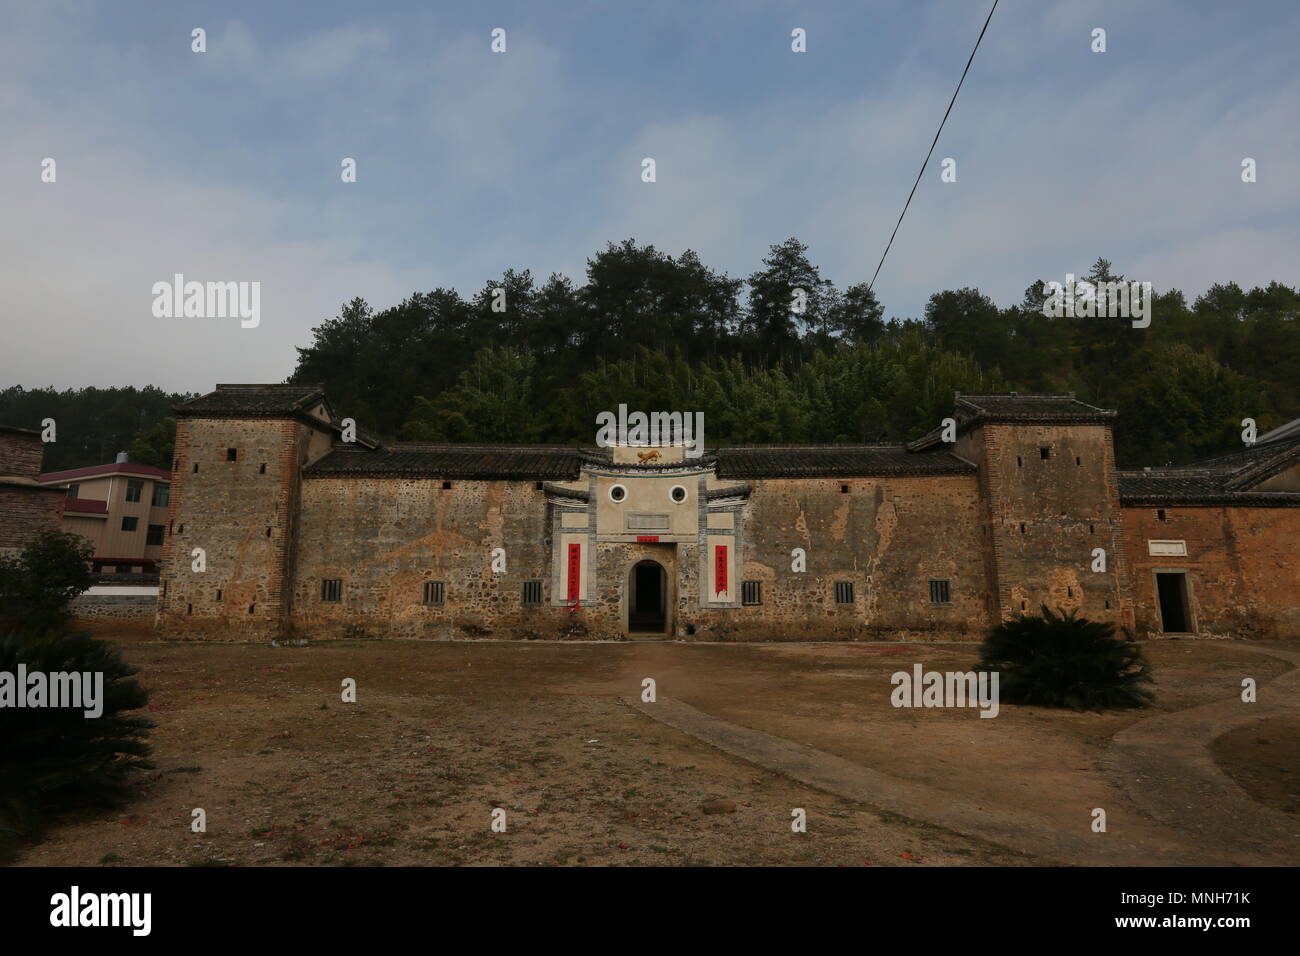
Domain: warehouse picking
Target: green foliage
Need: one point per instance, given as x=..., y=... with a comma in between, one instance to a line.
x=1060, y=660
x=156, y=446
x=37, y=583
x=93, y=424
x=55, y=759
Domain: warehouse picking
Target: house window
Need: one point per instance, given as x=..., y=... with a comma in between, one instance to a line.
x=133, y=488
x=1044, y=452
x=161, y=495
x=939, y=591
x=1078, y=460
x=74, y=490
x=331, y=590
x=435, y=592
x=218, y=594
x=446, y=486
x=751, y=592
x=532, y=592
x=261, y=469
x=843, y=592
x=1022, y=527
x=129, y=524
x=154, y=535
x=617, y=493
x=1160, y=514
x=538, y=486
x=231, y=454
x=678, y=494
x=1020, y=462
x=844, y=489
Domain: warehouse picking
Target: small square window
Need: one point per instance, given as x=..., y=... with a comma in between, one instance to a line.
x=130, y=524
x=1044, y=452
x=231, y=454
x=331, y=590
x=261, y=470
x=1160, y=514
x=446, y=486
x=73, y=490
x=940, y=593
x=435, y=592
x=843, y=592
x=751, y=593
x=844, y=489
x=538, y=486
x=532, y=592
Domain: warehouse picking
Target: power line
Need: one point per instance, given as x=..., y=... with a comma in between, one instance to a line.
x=872, y=284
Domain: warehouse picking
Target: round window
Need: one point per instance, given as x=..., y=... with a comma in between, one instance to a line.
x=678, y=494
x=617, y=493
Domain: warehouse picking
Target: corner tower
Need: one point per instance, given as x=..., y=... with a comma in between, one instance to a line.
x=226, y=565
x=1053, y=529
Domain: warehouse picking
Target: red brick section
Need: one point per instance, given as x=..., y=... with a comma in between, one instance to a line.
x=26, y=510
x=1242, y=574
x=20, y=453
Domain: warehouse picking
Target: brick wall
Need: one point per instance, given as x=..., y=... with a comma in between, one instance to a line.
x=25, y=511
x=1045, y=516
x=241, y=516
x=20, y=454
x=1242, y=573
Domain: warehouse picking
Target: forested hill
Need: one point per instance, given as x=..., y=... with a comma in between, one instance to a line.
x=782, y=356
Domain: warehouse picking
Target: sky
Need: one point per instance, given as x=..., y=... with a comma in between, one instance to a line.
x=226, y=165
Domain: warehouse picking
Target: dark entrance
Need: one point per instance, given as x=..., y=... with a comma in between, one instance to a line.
x=647, y=607
x=1175, y=611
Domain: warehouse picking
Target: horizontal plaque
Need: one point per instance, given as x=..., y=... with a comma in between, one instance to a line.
x=644, y=522
x=1167, y=549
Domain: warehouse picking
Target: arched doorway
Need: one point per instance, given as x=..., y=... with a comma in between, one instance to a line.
x=647, y=598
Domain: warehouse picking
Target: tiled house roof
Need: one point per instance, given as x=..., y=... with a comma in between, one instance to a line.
x=835, y=461
x=252, y=401
x=1016, y=409
x=467, y=462
x=1225, y=479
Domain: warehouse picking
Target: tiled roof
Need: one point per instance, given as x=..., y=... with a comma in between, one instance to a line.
x=1226, y=479
x=253, y=401
x=468, y=462
x=95, y=471
x=835, y=461
x=1015, y=409
x=15, y=430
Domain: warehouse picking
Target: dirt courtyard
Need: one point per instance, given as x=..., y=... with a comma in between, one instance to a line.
x=442, y=734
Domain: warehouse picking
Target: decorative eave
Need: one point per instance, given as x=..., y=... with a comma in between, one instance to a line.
x=728, y=493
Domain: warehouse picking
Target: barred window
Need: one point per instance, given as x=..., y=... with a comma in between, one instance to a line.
x=435, y=592
x=532, y=592
x=751, y=592
x=939, y=592
x=843, y=592
x=331, y=590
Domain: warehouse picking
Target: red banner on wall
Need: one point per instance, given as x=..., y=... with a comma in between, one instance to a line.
x=719, y=569
x=575, y=572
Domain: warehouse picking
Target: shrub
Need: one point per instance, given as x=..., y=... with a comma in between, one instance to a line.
x=37, y=583
x=56, y=758
x=1060, y=660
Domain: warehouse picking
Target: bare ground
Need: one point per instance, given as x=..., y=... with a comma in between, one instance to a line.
x=442, y=733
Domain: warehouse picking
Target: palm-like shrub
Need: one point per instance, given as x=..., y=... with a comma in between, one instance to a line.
x=56, y=758
x=1060, y=660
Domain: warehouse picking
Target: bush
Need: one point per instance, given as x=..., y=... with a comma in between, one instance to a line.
x=37, y=584
x=56, y=758
x=1059, y=660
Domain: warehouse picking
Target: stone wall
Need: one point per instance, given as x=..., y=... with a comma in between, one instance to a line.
x=241, y=514
x=1050, y=499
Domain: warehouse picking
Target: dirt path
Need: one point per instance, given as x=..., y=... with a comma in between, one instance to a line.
x=1169, y=771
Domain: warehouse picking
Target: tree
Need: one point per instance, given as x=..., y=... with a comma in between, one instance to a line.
x=37, y=583
x=156, y=446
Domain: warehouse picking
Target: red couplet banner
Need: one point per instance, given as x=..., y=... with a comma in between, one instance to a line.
x=575, y=570
x=719, y=569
